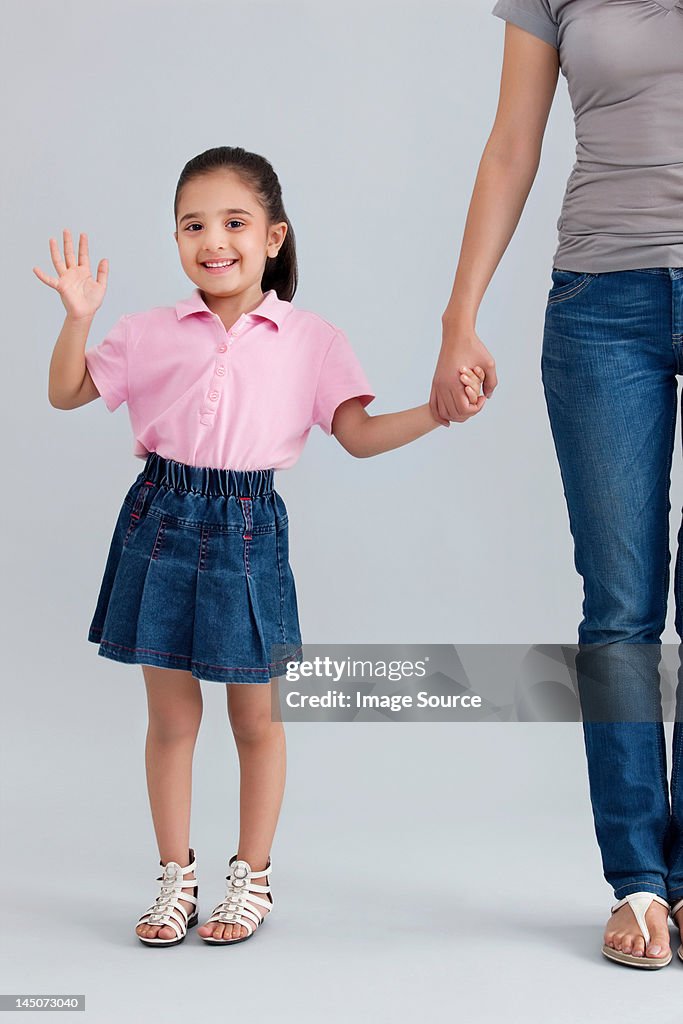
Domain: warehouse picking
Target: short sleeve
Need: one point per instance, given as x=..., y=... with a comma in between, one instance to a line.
x=108, y=365
x=341, y=377
x=533, y=15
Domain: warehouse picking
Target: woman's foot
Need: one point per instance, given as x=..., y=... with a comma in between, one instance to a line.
x=218, y=930
x=678, y=918
x=622, y=932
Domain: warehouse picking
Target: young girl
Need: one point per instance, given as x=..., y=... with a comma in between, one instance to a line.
x=222, y=389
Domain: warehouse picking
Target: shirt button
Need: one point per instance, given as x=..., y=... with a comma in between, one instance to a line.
x=220, y=370
x=222, y=348
x=213, y=395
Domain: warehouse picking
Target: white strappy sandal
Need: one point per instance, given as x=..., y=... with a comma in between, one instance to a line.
x=167, y=908
x=674, y=910
x=241, y=902
x=639, y=903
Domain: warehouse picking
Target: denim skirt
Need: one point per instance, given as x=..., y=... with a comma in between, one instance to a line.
x=198, y=576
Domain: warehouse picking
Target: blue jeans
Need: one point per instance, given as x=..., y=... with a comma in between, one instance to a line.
x=612, y=349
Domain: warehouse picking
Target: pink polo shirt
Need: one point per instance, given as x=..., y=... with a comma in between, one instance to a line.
x=239, y=399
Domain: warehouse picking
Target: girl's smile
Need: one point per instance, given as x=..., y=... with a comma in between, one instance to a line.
x=219, y=266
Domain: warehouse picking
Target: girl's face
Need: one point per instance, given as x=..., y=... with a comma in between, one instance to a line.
x=221, y=219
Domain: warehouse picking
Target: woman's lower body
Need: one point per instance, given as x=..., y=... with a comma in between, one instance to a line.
x=612, y=350
x=197, y=585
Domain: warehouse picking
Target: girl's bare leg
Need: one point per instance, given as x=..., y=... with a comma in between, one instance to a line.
x=261, y=750
x=174, y=701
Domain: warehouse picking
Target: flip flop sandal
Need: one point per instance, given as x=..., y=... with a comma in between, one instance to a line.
x=167, y=908
x=241, y=902
x=639, y=903
x=674, y=910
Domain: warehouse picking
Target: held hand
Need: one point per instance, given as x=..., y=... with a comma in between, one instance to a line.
x=460, y=350
x=472, y=380
x=81, y=294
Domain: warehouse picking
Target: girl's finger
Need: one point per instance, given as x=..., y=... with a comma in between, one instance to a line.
x=479, y=372
x=83, y=254
x=57, y=260
x=69, y=257
x=473, y=383
x=52, y=281
x=102, y=270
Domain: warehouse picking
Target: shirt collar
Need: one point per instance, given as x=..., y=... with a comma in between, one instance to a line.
x=270, y=308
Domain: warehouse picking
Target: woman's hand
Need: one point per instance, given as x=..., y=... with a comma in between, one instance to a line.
x=461, y=350
x=81, y=294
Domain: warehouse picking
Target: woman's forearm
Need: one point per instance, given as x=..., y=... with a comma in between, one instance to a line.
x=503, y=182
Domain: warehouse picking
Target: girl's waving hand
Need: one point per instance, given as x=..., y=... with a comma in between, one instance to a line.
x=81, y=293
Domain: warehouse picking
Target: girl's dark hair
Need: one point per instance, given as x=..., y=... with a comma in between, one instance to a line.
x=280, y=271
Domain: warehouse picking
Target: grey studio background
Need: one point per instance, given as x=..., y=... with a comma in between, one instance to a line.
x=417, y=866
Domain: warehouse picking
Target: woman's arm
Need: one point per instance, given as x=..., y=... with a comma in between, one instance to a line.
x=363, y=435
x=506, y=173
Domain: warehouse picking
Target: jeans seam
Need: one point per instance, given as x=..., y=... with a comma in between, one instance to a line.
x=279, y=573
x=158, y=540
x=245, y=505
x=208, y=664
x=641, y=885
x=203, y=547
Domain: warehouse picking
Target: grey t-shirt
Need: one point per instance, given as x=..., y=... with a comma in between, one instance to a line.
x=623, y=61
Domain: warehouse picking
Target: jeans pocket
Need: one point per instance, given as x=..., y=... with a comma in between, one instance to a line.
x=568, y=283
x=140, y=506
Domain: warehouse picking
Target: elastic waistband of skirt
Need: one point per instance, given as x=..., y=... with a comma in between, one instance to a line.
x=207, y=479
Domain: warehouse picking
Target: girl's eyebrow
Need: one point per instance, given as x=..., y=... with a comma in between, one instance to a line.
x=188, y=216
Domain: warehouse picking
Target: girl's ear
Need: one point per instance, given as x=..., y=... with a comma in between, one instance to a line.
x=276, y=235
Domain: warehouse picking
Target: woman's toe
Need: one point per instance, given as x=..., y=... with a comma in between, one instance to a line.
x=658, y=946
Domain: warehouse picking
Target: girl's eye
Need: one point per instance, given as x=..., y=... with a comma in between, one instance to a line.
x=239, y=222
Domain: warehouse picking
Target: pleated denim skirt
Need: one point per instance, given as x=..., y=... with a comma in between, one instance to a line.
x=198, y=575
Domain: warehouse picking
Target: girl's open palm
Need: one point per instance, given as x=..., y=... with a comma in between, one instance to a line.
x=81, y=293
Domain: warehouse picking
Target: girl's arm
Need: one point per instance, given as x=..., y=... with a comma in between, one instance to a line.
x=363, y=435
x=506, y=173
x=70, y=384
